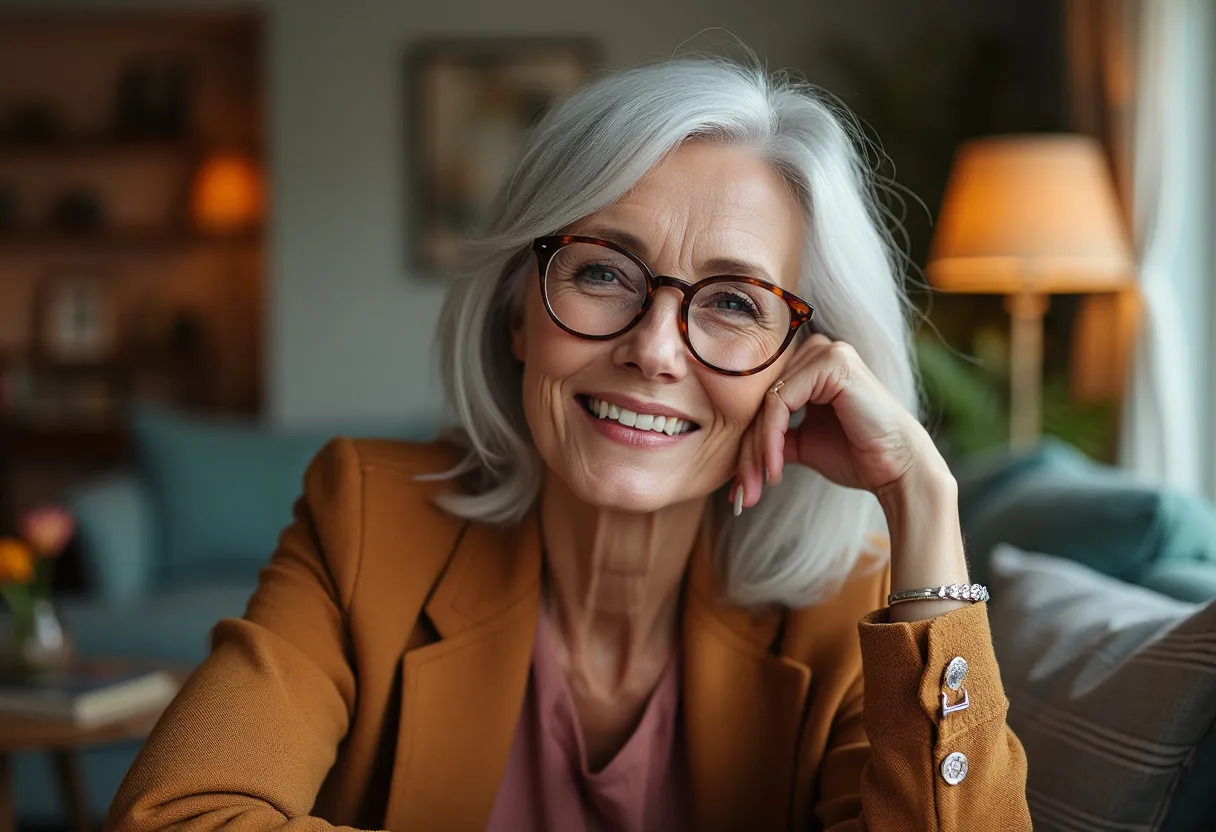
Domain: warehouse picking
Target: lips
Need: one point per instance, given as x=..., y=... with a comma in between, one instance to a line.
x=644, y=418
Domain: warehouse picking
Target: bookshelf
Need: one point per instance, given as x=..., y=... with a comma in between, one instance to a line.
x=106, y=121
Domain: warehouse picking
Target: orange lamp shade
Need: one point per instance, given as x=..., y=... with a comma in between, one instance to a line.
x=228, y=194
x=1030, y=213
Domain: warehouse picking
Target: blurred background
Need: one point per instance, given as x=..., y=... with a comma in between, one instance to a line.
x=225, y=229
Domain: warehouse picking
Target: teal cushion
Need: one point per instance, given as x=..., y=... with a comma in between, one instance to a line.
x=1185, y=580
x=222, y=489
x=1068, y=505
x=117, y=527
x=983, y=476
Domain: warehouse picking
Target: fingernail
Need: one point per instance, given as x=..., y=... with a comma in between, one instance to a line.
x=738, y=500
x=766, y=475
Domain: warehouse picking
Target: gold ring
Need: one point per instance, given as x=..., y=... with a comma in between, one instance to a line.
x=776, y=388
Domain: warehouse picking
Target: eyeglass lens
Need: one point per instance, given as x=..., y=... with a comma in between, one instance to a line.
x=733, y=325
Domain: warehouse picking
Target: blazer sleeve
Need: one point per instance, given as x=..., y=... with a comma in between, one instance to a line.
x=248, y=740
x=883, y=768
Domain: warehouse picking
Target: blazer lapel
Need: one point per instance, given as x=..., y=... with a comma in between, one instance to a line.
x=461, y=696
x=743, y=707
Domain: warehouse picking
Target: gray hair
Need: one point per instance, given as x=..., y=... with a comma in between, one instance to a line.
x=808, y=534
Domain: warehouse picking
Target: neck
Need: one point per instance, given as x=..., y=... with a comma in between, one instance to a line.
x=613, y=578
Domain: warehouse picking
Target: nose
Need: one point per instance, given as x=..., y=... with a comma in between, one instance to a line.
x=654, y=345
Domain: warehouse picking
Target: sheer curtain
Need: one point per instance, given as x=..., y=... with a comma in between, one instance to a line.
x=1141, y=77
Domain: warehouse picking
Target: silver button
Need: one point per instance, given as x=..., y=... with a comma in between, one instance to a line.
x=956, y=672
x=954, y=768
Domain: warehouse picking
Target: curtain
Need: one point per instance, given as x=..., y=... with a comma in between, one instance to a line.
x=1140, y=78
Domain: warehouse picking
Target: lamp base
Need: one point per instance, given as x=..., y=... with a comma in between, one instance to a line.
x=1026, y=311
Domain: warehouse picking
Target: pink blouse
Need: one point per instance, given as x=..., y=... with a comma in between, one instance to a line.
x=547, y=784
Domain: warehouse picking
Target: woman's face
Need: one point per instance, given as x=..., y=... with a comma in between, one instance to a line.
x=703, y=207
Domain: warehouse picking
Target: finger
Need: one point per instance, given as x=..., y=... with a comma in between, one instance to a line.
x=758, y=456
x=751, y=468
x=826, y=370
x=773, y=423
x=741, y=463
x=775, y=414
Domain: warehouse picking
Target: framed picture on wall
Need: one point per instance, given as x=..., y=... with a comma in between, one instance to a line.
x=470, y=104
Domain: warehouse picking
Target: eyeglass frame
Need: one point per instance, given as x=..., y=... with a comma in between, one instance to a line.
x=546, y=247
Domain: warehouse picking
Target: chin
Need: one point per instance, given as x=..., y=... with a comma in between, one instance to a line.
x=627, y=489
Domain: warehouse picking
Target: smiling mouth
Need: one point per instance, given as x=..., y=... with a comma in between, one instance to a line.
x=669, y=425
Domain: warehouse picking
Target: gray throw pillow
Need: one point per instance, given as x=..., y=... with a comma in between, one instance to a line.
x=1112, y=691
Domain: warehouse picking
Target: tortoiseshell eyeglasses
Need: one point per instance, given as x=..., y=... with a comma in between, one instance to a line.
x=598, y=290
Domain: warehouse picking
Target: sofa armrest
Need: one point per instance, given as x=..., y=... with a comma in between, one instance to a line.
x=116, y=524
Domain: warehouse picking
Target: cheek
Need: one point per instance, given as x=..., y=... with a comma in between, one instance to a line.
x=550, y=357
x=736, y=400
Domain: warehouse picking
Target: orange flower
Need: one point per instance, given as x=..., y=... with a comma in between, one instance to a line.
x=16, y=561
x=48, y=529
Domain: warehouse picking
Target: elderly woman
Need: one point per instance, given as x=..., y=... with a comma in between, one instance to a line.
x=633, y=591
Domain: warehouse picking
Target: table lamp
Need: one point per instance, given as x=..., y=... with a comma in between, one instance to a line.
x=1028, y=216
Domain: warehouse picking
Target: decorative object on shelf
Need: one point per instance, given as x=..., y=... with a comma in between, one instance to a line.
x=228, y=195
x=35, y=641
x=471, y=103
x=9, y=214
x=32, y=121
x=78, y=209
x=1028, y=216
x=153, y=96
x=76, y=317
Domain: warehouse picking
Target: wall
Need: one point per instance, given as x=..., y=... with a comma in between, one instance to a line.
x=351, y=327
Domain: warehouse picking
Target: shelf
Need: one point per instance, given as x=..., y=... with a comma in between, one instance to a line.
x=118, y=239
x=18, y=441
x=101, y=146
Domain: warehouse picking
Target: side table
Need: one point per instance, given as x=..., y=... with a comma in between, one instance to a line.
x=62, y=740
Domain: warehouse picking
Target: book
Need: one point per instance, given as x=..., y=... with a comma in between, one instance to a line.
x=86, y=695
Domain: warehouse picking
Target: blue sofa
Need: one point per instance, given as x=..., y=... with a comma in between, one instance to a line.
x=172, y=545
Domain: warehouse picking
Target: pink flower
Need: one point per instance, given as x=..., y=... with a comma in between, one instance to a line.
x=48, y=529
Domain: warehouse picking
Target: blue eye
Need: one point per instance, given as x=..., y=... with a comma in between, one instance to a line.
x=598, y=274
x=733, y=302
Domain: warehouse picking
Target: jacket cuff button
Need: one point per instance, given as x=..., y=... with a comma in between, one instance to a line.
x=954, y=768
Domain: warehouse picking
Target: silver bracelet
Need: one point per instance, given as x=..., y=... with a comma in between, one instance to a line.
x=953, y=592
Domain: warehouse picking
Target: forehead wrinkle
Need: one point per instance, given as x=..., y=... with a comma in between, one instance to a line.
x=717, y=264
x=687, y=222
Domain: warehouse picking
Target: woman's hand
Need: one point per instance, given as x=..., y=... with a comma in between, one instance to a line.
x=855, y=432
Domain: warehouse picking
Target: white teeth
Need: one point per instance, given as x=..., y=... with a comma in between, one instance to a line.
x=639, y=421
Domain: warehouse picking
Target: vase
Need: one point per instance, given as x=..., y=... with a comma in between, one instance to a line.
x=36, y=642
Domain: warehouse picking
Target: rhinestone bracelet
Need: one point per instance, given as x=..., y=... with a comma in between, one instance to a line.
x=954, y=592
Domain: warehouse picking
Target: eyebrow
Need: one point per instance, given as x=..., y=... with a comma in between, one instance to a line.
x=715, y=265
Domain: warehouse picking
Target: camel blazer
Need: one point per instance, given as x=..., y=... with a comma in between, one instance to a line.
x=377, y=675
